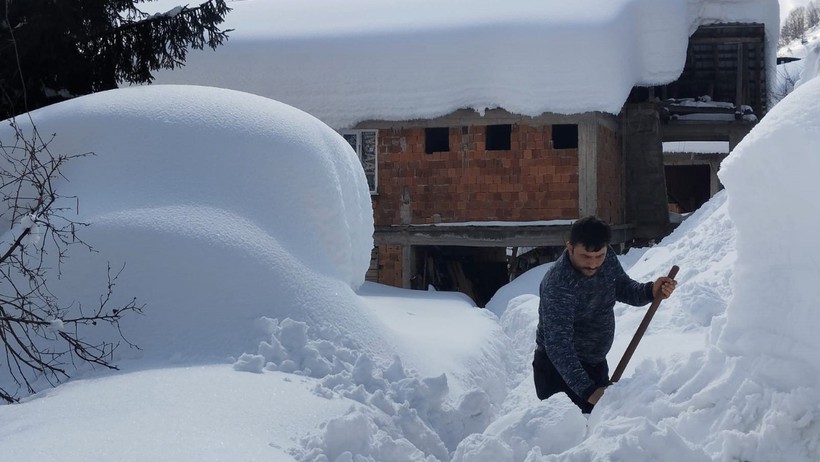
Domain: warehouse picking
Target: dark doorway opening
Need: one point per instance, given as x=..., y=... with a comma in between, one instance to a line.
x=476, y=271
x=687, y=186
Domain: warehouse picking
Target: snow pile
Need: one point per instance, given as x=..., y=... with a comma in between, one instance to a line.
x=224, y=244
x=751, y=395
x=630, y=423
x=346, y=62
x=724, y=372
x=184, y=414
x=405, y=415
x=526, y=283
x=261, y=156
x=728, y=369
x=443, y=332
x=775, y=328
x=405, y=418
x=222, y=206
x=811, y=63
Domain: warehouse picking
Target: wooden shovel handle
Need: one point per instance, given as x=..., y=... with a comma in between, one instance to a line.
x=630, y=350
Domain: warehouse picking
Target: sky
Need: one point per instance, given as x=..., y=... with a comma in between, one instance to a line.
x=246, y=227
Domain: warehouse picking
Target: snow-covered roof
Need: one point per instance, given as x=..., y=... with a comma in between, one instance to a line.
x=345, y=62
x=697, y=147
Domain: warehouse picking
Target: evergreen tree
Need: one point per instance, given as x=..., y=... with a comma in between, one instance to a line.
x=51, y=50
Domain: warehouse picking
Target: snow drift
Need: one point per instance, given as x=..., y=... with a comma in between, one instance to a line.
x=240, y=198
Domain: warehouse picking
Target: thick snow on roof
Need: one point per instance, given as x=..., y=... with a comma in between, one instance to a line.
x=345, y=62
x=700, y=147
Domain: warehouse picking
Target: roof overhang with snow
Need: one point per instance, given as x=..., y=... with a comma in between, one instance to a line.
x=345, y=62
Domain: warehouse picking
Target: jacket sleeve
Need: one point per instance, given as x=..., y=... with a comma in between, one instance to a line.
x=630, y=291
x=557, y=314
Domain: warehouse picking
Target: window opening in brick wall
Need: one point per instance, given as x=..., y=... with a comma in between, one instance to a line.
x=564, y=136
x=436, y=139
x=497, y=137
x=364, y=142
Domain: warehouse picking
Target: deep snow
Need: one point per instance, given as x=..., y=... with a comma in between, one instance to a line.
x=261, y=343
x=726, y=371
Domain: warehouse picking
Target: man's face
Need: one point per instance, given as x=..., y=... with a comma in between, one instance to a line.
x=584, y=260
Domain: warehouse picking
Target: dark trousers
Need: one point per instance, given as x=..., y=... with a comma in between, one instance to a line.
x=549, y=382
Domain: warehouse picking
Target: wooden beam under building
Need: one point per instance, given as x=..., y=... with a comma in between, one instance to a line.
x=691, y=130
x=485, y=236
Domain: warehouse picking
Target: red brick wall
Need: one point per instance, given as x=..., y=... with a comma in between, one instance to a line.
x=610, y=177
x=531, y=181
x=389, y=261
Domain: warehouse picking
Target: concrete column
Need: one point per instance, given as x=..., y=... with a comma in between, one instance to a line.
x=646, y=203
x=407, y=267
x=587, y=168
x=736, y=136
x=714, y=183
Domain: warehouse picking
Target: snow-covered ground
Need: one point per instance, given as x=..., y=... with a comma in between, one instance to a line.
x=260, y=344
x=245, y=226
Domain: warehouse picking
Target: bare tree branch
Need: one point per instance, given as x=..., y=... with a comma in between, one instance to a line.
x=40, y=335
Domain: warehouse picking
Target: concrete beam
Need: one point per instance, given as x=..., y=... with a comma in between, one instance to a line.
x=462, y=117
x=705, y=131
x=485, y=236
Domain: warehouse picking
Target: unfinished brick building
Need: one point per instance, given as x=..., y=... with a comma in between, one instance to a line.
x=484, y=132
x=466, y=188
x=465, y=201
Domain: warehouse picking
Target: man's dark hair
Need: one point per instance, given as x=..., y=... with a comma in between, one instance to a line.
x=590, y=232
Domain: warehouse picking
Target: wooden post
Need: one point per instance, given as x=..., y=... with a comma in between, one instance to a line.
x=630, y=350
x=740, y=82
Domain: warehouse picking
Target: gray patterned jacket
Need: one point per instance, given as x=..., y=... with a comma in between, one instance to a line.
x=576, y=321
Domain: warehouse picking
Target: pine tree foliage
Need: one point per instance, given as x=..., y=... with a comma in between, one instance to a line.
x=51, y=50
